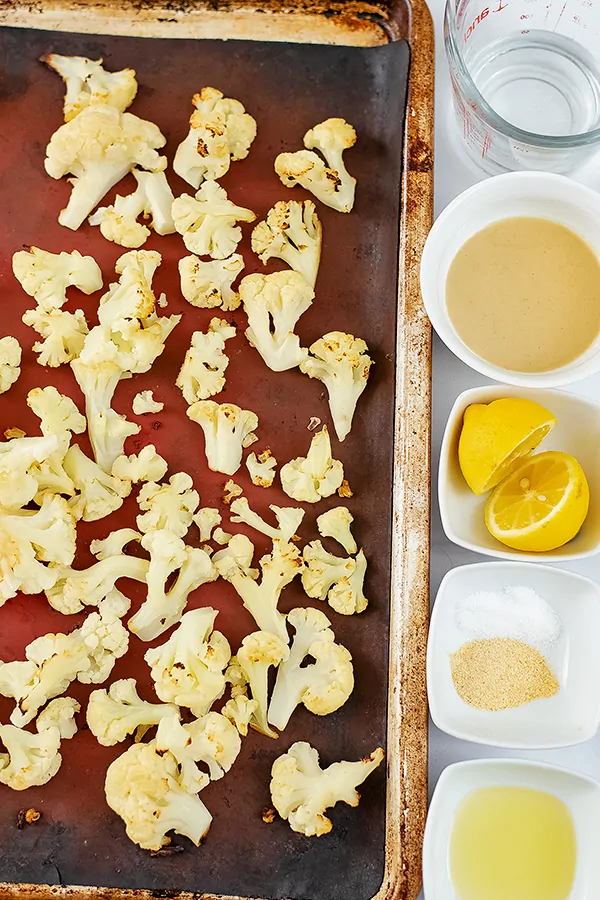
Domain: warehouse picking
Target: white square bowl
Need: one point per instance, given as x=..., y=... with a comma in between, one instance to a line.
x=572, y=715
x=577, y=432
x=580, y=794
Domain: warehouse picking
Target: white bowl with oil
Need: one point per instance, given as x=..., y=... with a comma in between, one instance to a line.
x=577, y=432
x=580, y=794
x=572, y=715
x=517, y=194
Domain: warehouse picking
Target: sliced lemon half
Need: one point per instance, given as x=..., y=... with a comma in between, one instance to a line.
x=496, y=436
x=541, y=505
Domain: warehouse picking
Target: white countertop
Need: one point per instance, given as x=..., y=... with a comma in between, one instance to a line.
x=450, y=376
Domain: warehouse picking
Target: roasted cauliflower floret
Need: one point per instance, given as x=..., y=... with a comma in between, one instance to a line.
x=241, y=127
x=317, y=475
x=202, y=374
x=262, y=468
x=291, y=232
x=278, y=568
x=60, y=713
x=144, y=403
x=63, y=332
x=52, y=662
x=57, y=413
x=128, y=339
x=208, y=221
x=147, y=465
x=98, y=494
x=88, y=83
x=144, y=787
x=240, y=710
x=273, y=304
x=227, y=431
x=347, y=596
x=323, y=685
x=212, y=740
x=10, y=362
x=335, y=523
x=114, y=543
x=258, y=652
x=301, y=790
x=99, y=147
x=31, y=538
x=108, y=429
x=171, y=505
x=113, y=714
x=46, y=276
x=19, y=457
x=188, y=668
x=342, y=363
x=127, y=315
x=220, y=131
x=288, y=518
x=163, y=608
x=207, y=520
x=32, y=759
x=331, y=183
x=106, y=640
x=322, y=570
x=335, y=579
x=208, y=283
x=75, y=588
x=153, y=199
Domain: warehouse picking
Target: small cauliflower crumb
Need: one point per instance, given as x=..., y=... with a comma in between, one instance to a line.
x=231, y=491
x=221, y=537
x=262, y=468
x=11, y=433
x=345, y=491
x=144, y=402
x=207, y=519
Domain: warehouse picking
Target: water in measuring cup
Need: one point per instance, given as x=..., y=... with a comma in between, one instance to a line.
x=543, y=82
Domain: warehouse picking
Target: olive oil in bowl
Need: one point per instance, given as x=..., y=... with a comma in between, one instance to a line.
x=512, y=843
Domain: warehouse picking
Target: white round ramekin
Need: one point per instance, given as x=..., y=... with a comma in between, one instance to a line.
x=539, y=194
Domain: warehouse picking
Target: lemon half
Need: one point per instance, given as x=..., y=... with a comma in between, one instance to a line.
x=496, y=436
x=541, y=505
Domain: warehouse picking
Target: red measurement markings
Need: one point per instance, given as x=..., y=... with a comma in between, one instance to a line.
x=476, y=21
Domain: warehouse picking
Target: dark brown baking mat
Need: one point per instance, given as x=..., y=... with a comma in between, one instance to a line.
x=288, y=88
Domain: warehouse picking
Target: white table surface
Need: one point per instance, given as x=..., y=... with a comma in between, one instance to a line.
x=450, y=376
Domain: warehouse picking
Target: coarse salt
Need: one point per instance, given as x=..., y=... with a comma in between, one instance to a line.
x=515, y=612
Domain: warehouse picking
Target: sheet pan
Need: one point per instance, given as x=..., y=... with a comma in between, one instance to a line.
x=361, y=289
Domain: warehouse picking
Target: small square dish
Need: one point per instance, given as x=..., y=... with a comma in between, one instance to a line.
x=572, y=715
x=581, y=796
x=576, y=432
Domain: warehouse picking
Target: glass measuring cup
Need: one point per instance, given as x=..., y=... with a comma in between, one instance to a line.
x=526, y=81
